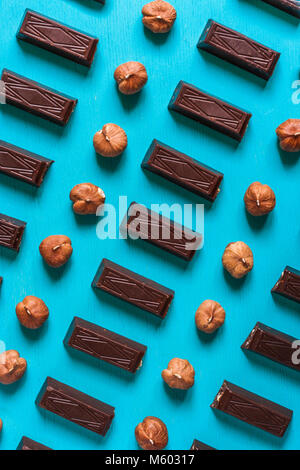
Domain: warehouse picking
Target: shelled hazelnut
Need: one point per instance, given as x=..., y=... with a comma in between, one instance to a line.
x=56, y=250
x=131, y=77
x=237, y=259
x=151, y=434
x=12, y=367
x=87, y=198
x=179, y=374
x=210, y=315
x=1, y=424
x=159, y=16
x=32, y=312
x=289, y=135
x=259, y=199
x=110, y=141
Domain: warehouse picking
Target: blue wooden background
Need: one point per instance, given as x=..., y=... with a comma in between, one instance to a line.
x=275, y=241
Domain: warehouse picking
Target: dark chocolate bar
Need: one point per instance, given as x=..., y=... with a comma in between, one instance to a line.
x=11, y=232
x=29, y=444
x=22, y=164
x=209, y=110
x=75, y=406
x=288, y=284
x=37, y=99
x=152, y=227
x=289, y=6
x=183, y=170
x=133, y=288
x=253, y=409
x=272, y=344
x=238, y=49
x=105, y=345
x=1, y=280
x=197, y=445
x=56, y=37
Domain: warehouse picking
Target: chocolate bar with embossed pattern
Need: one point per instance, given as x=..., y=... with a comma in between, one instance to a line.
x=253, y=409
x=272, y=344
x=11, y=232
x=289, y=6
x=75, y=406
x=209, y=110
x=183, y=170
x=37, y=99
x=29, y=444
x=238, y=49
x=133, y=288
x=103, y=344
x=198, y=445
x=289, y=284
x=56, y=37
x=22, y=164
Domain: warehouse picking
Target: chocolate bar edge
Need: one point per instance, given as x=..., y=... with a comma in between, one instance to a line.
x=283, y=7
x=275, y=290
x=18, y=224
x=30, y=444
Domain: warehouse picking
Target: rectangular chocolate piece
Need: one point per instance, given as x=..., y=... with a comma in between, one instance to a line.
x=160, y=231
x=197, y=445
x=288, y=284
x=253, y=409
x=29, y=444
x=209, y=110
x=56, y=37
x=11, y=232
x=22, y=164
x=289, y=6
x=133, y=288
x=105, y=345
x=272, y=344
x=183, y=170
x=75, y=406
x=238, y=49
x=37, y=99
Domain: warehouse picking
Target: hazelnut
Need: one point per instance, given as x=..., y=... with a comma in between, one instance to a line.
x=110, y=141
x=289, y=135
x=1, y=424
x=131, y=77
x=159, y=16
x=179, y=374
x=32, y=312
x=210, y=315
x=151, y=434
x=12, y=367
x=237, y=259
x=259, y=199
x=87, y=198
x=56, y=250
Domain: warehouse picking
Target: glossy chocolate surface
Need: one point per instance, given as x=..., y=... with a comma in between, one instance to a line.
x=22, y=164
x=75, y=406
x=238, y=49
x=253, y=409
x=37, y=99
x=182, y=170
x=29, y=444
x=133, y=288
x=198, y=445
x=288, y=284
x=209, y=110
x=56, y=37
x=289, y=6
x=11, y=232
x=103, y=344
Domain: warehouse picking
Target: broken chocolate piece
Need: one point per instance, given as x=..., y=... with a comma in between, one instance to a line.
x=29, y=444
x=11, y=232
x=289, y=6
x=198, y=445
x=289, y=284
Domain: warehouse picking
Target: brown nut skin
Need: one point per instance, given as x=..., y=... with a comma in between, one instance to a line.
x=159, y=16
x=110, y=141
x=12, y=367
x=237, y=259
x=210, y=315
x=289, y=135
x=180, y=374
x=87, y=198
x=56, y=250
x=259, y=199
x=151, y=434
x=32, y=312
x=131, y=77
x=1, y=424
